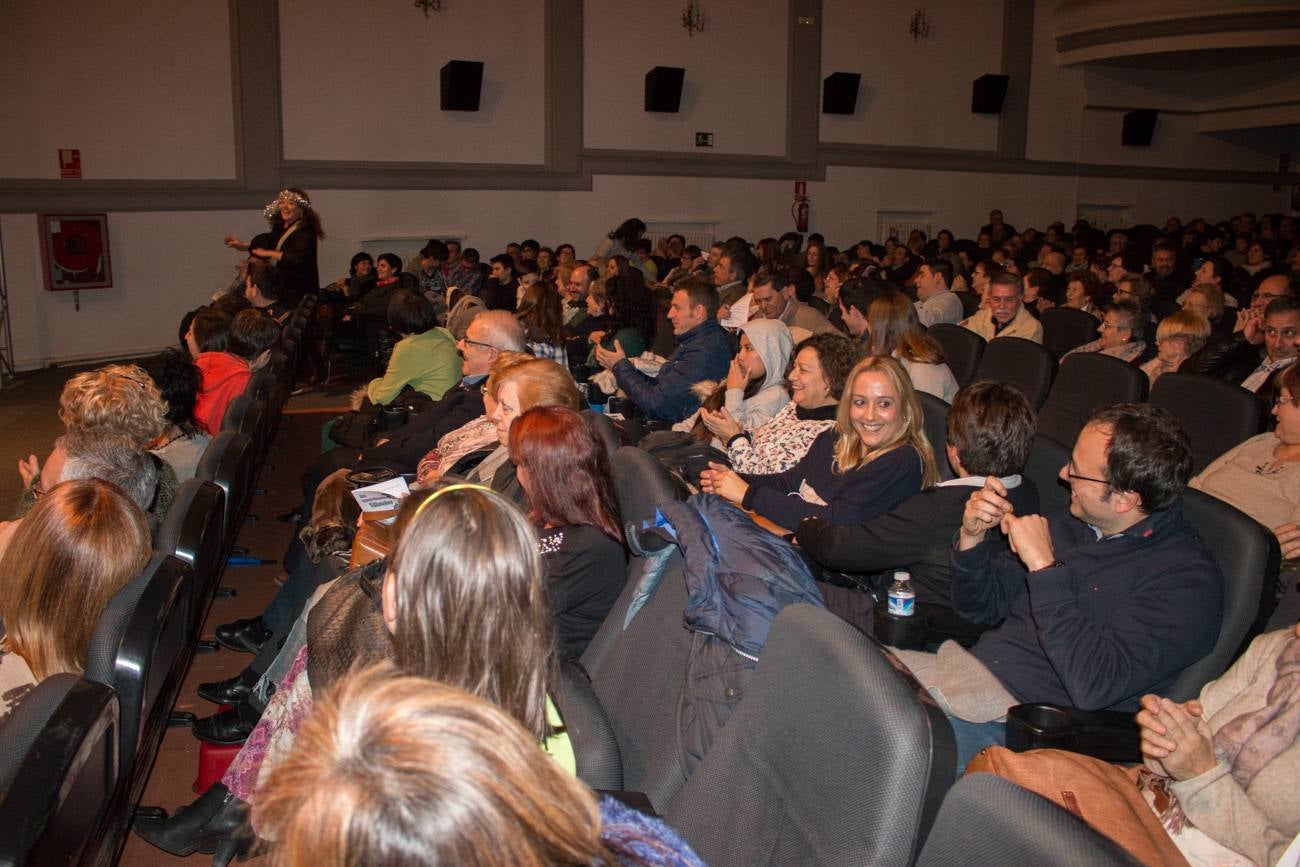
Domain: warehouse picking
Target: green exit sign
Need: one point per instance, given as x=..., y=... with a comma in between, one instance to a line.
x=704, y=139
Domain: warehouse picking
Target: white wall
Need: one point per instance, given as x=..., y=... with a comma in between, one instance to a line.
x=360, y=81
x=736, y=75
x=129, y=84
x=167, y=263
x=914, y=93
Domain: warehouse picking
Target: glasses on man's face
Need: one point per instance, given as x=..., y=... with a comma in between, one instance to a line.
x=1266, y=296
x=1075, y=477
x=468, y=342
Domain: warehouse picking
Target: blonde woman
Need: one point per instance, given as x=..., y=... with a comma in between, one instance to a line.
x=80, y=544
x=394, y=769
x=1179, y=336
x=875, y=457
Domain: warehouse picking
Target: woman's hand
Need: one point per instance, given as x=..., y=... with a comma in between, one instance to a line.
x=1288, y=536
x=595, y=337
x=737, y=375
x=29, y=469
x=720, y=424
x=235, y=244
x=717, y=479
x=1176, y=740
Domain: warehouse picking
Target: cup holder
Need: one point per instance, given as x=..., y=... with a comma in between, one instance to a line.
x=1039, y=726
x=1044, y=717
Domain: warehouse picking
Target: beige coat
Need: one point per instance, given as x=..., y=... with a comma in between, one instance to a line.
x=1024, y=325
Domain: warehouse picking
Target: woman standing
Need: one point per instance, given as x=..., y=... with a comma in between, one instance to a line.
x=291, y=244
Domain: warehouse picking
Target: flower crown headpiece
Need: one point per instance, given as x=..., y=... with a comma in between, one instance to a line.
x=273, y=206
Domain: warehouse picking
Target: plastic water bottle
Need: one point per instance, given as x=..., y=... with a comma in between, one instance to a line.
x=902, y=598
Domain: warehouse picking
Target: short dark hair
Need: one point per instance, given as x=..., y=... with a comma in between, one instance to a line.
x=529, y=244
x=251, y=332
x=211, y=330
x=178, y=379
x=469, y=255
x=435, y=249
x=991, y=425
x=231, y=303
x=943, y=268
x=1148, y=453
x=700, y=293
x=1282, y=305
x=859, y=292
x=743, y=262
x=411, y=313
x=505, y=261
x=527, y=266
x=836, y=353
x=394, y=261
x=357, y=259
x=267, y=279
x=1050, y=286
x=804, y=284
x=1006, y=278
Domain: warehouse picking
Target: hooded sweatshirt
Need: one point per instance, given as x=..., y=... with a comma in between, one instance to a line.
x=224, y=378
x=772, y=341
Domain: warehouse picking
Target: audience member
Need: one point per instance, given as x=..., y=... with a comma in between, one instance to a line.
x=225, y=373
x=263, y=288
x=541, y=315
x=79, y=545
x=1003, y=313
x=423, y=360
x=702, y=353
x=253, y=335
x=876, y=456
x=625, y=316
x=541, y=382
x=403, y=770
x=564, y=469
x=755, y=384
x=1120, y=328
x=1083, y=292
x=935, y=300
x=1095, y=608
x=182, y=443
x=1179, y=336
x=774, y=296
x=817, y=377
x=895, y=332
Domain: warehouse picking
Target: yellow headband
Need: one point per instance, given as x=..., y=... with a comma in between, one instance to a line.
x=438, y=493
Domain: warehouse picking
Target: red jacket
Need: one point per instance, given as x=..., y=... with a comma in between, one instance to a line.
x=224, y=378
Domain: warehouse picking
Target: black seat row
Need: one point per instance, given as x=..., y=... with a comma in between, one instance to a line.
x=76, y=752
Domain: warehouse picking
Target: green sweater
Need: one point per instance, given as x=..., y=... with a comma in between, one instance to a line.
x=427, y=362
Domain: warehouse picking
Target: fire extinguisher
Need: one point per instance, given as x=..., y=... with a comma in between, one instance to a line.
x=799, y=210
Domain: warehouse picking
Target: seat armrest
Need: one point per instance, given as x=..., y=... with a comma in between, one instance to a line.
x=1111, y=736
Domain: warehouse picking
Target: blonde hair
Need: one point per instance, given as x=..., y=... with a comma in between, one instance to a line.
x=80, y=544
x=119, y=400
x=850, y=453
x=1213, y=296
x=1191, y=326
x=542, y=382
x=404, y=770
x=501, y=367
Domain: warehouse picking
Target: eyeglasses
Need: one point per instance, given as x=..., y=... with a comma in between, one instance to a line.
x=1075, y=477
x=468, y=342
x=1281, y=398
x=1259, y=296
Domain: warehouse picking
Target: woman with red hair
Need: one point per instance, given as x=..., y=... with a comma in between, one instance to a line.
x=564, y=469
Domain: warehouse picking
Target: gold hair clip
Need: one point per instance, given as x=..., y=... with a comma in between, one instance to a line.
x=460, y=486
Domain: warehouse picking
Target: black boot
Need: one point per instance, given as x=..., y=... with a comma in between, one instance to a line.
x=230, y=691
x=216, y=823
x=245, y=636
x=228, y=727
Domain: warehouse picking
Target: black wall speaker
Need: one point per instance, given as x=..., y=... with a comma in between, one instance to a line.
x=988, y=93
x=462, y=80
x=663, y=88
x=1139, y=127
x=840, y=93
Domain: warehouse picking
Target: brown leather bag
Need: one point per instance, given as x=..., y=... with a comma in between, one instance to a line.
x=1105, y=796
x=373, y=540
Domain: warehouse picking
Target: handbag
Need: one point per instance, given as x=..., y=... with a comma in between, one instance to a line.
x=373, y=540
x=1101, y=794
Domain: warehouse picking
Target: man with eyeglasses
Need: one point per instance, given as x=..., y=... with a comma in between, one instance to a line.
x=1262, y=344
x=1004, y=313
x=1095, y=608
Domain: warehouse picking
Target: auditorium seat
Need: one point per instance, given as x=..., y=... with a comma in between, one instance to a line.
x=1085, y=382
x=1019, y=362
x=594, y=745
x=1066, y=328
x=1217, y=415
x=193, y=530
x=835, y=755
x=1046, y=458
x=227, y=462
x=988, y=820
x=962, y=350
x=58, y=772
x=936, y=430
